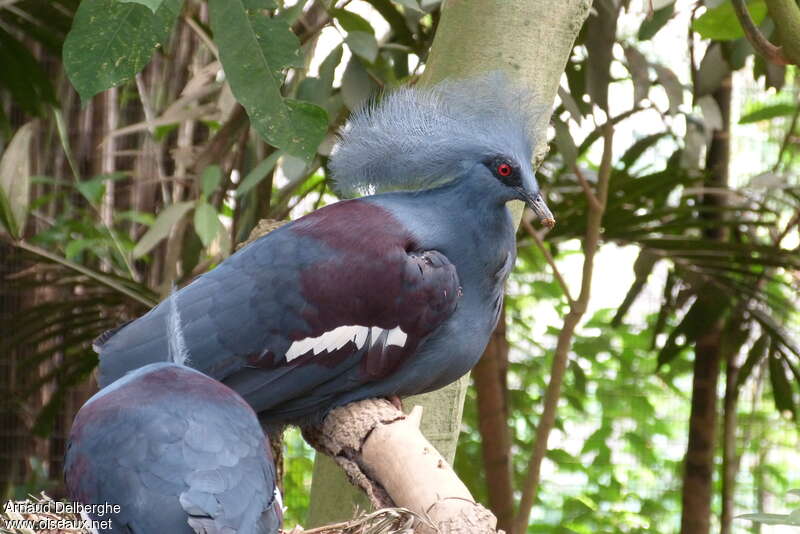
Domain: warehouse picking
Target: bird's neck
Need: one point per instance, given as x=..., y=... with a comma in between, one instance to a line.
x=475, y=231
x=473, y=206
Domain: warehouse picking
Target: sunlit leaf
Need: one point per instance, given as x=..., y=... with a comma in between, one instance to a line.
x=768, y=112
x=161, y=228
x=210, y=180
x=206, y=222
x=720, y=23
x=15, y=171
x=653, y=25
x=351, y=22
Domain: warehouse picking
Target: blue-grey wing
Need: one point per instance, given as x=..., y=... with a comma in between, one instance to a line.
x=337, y=299
x=177, y=451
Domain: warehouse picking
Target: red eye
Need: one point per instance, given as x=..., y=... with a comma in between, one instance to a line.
x=504, y=169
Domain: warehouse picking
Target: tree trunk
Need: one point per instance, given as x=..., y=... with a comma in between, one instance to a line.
x=699, y=461
x=491, y=387
x=730, y=458
x=532, y=40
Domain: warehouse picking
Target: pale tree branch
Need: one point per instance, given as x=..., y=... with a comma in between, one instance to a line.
x=577, y=309
x=384, y=453
x=587, y=189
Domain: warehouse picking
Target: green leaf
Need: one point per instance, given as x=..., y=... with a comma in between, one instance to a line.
x=768, y=112
x=161, y=228
x=76, y=246
x=781, y=388
x=254, y=49
x=754, y=356
x=639, y=68
x=352, y=22
x=652, y=25
x=6, y=217
x=709, y=307
x=211, y=178
x=770, y=519
x=318, y=90
x=260, y=4
x=258, y=173
x=672, y=85
x=111, y=41
x=720, y=23
x=153, y=5
x=94, y=188
x=363, y=45
x=357, y=85
x=22, y=75
x=206, y=222
x=15, y=171
x=635, y=151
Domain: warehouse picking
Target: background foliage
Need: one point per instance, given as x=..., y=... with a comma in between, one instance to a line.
x=144, y=139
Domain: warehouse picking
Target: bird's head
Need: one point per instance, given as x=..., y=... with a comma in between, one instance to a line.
x=477, y=130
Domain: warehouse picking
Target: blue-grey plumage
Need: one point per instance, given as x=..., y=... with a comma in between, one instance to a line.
x=395, y=293
x=178, y=452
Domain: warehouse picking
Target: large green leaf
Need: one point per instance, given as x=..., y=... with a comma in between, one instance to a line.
x=15, y=171
x=720, y=23
x=254, y=49
x=161, y=227
x=111, y=41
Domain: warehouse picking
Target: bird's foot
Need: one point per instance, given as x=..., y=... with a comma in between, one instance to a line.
x=396, y=401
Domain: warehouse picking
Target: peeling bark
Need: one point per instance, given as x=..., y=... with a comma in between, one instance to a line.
x=384, y=453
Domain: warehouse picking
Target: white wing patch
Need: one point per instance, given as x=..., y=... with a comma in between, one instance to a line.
x=397, y=337
x=337, y=338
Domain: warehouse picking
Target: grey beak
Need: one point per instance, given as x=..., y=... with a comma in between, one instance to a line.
x=539, y=207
